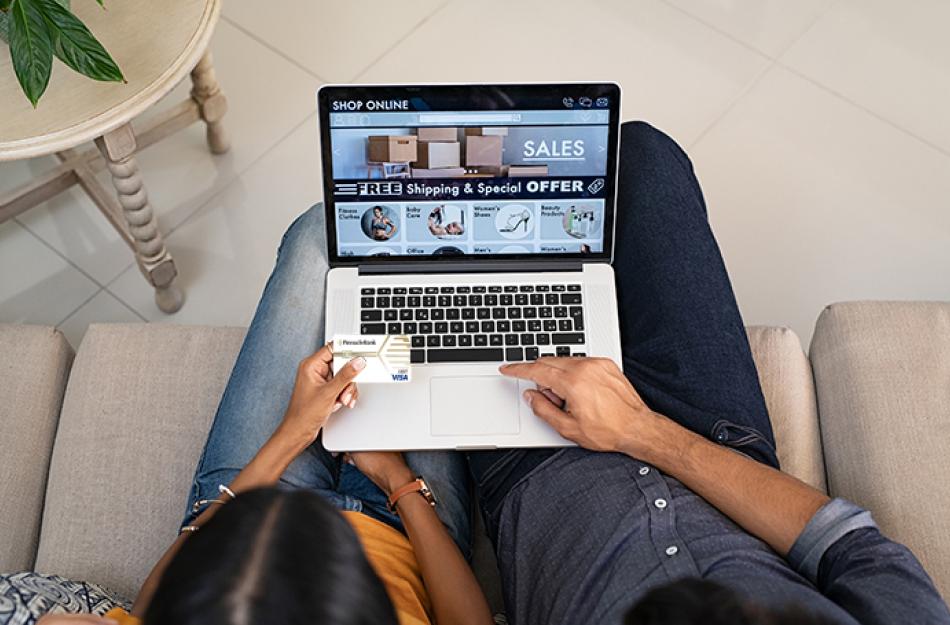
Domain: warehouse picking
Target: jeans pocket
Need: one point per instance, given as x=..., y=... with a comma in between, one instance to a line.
x=737, y=436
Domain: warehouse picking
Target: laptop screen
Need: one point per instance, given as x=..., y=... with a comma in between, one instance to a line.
x=452, y=171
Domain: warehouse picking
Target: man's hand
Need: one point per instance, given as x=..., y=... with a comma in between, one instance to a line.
x=600, y=408
x=318, y=393
x=386, y=469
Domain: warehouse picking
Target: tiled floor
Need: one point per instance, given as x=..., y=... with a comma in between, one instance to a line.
x=818, y=128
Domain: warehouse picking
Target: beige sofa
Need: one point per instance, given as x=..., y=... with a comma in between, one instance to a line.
x=98, y=452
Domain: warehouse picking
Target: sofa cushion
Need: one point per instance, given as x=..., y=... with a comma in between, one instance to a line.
x=27, y=596
x=882, y=372
x=137, y=410
x=34, y=364
x=786, y=380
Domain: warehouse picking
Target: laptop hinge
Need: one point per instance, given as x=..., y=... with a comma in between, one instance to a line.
x=466, y=267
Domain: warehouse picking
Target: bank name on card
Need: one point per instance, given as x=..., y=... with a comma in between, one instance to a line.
x=387, y=356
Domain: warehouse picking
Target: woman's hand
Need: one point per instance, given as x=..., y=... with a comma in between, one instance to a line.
x=318, y=393
x=386, y=469
x=588, y=401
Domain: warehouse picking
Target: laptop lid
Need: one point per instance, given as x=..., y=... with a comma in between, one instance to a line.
x=469, y=173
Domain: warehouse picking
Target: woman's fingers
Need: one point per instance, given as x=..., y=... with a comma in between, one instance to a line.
x=348, y=395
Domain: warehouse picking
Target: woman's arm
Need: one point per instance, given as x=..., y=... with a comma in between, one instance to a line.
x=392, y=225
x=457, y=598
x=316, y=395
x=605, y=413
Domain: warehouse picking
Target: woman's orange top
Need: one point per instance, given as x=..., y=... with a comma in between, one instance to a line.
x=391, y=556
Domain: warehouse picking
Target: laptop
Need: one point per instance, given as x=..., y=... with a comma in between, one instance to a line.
x=479, y=221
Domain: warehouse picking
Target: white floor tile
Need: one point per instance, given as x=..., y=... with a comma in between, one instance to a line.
x=103, y=308
x=890, y=57
x=267, y=97
x=36, y=285
x=769, y=26
x=815, y=201
x=334, y=40
x=226, y=252
x=677, y=73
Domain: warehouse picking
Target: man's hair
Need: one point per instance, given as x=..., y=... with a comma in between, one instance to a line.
x=701, y=602
x=271, y=556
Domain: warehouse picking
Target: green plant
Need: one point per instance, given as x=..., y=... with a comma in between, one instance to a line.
x=36, y=30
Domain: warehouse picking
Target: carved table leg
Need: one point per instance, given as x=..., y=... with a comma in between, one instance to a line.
x=118, y=149
x=212, y=105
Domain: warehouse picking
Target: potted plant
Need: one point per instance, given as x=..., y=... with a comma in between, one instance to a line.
x=37, y=30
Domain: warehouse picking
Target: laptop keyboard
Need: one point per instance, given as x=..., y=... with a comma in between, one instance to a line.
x=451, y=324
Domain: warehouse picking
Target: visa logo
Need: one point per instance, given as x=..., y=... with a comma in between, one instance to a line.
x=400, y=377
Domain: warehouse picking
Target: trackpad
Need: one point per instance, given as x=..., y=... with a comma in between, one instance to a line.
x=474, y=406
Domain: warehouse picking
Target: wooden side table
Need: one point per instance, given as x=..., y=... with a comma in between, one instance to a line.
x=156, y=44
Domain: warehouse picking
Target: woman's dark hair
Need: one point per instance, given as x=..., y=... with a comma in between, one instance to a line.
x=271, y=556
x=701, y=602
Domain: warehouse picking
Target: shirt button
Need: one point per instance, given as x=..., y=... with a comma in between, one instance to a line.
x=644, y=470
x=672, y=550
x=660, y=503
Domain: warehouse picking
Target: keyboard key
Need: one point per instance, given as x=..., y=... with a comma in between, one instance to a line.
x=578, y=324
x=496, y=339
x=367, y=302
x=580, y=354
x=430, y=290
x=415, y=290
x=399, y=290
x=418, y=341
x=452, y=313
x=478, y=289
x=565, y=325
x=448, y=340
x=558, y=287
x=483, y=313
x=390, y=315
x=547, y=355
x=569, y=338
x=468, y=313
x=514, y=354
x=494, y=289
x=531, y=353
x=465, y=355
x=570, y=298
x=399, y=301
x=509, y=288
x=441, y=327
x=410, y=327
x=456, y=327
x=534, y=325
x=445, y=301
x=563, y=351
x=543, y=339
x=512, y=339
x=491, y=300
x=503, y=326
x=521, y=299
x=367, y=291
x=382, y=302
x=536, y=299
x=459, y=301
x=394, y=328
x=506, y=300
x=573, y=287
x=529, y=312
x=414, y=301
x=471, y=327
x=405, y=314
x=475, y=300
x=518, y=326
x=550, y=325
x=560, y=311
x=481, y=340
x=463, y=289
x=545, y=312
x=371, y=315
x=417, y=356
x=543, y=288
x=551, y=299
x=497, y=313
x=384, y=291
x=425, y=327
x=433, y=340
x=514, y=313
x=527, y=339
x=465, y=341
x=526, y=288
x=422, y=314
x=488, y=327
x=437, y=314
x=372, y=328
x=447, y=289
x=428, y=301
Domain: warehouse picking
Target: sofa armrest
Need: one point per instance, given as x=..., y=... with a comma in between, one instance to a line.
x=34, y=364
x=882, y=372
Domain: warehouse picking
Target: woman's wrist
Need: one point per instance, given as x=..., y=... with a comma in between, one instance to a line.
x=396, y=479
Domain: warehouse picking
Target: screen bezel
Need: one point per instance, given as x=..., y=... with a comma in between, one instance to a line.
x=489, y=94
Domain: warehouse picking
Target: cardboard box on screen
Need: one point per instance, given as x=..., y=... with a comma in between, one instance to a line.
x=392, y=149
x=486, y=171
x=444, y=172
x=483, y=150
x=436, y=154
x=501, y=131
x=438, y=134
x=517, y=171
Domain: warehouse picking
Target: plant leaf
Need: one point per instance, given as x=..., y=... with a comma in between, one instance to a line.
x=31, y=48
x=76, y=46
x=5, y=5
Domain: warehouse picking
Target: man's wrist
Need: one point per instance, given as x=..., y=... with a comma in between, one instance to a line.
x=646, y=437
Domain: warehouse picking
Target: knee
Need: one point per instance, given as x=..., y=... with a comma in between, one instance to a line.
x=306, y=233
x=642, y=143
x=642, y=135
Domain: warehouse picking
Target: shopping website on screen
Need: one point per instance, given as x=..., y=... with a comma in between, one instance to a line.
x=469, y=182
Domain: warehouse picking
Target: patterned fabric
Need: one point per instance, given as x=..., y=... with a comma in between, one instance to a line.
x=25, y=597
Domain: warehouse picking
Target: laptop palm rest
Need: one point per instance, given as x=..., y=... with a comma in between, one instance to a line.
x=474, y=406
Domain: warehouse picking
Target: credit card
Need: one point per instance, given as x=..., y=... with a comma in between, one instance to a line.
x=387, y=356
